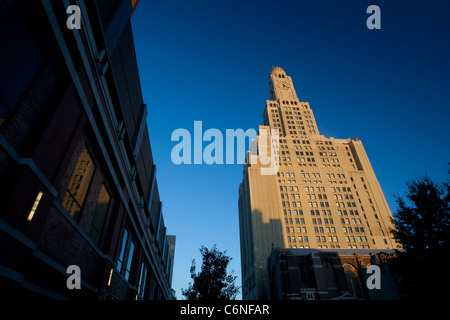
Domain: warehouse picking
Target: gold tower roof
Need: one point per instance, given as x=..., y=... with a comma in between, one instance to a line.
x=277, y=69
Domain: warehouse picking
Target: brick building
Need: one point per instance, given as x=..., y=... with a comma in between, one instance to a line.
x=77, y=177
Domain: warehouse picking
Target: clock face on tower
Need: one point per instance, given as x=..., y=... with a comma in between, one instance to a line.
x=284, y=85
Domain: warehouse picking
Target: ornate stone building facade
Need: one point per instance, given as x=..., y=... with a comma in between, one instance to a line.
x=324, y=193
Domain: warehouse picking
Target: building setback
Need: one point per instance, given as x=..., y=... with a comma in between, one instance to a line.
x=324, y=193
x=77, y=175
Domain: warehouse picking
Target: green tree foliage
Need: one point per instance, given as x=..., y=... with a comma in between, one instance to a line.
x=212, y=283
x=423, y=229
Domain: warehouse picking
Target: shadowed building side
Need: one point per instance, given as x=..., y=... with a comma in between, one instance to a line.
x=77, y=177
x=325, y=274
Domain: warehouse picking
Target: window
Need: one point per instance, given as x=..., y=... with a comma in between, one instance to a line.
x=79, y=184
x=353, y=281
x=142, y=280
x=122, y=250
x=99, y=214
x=130, y=260
x=125, y=257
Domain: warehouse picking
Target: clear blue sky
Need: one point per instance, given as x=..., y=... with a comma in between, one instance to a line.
x=210, y=61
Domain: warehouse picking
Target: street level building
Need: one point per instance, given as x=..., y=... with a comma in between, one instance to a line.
x=329, y=274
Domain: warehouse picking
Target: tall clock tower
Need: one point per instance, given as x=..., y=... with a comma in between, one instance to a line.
x=281, y=86
x=324, y=195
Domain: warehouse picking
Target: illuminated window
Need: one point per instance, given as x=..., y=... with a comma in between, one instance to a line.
x=79, y=185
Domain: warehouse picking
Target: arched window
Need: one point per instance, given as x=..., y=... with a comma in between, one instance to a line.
x=353, y=281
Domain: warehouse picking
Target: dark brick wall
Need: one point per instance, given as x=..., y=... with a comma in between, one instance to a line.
x=47, y=130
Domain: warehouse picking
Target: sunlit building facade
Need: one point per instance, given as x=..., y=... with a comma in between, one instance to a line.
x=323, y=195
x=77, y=176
